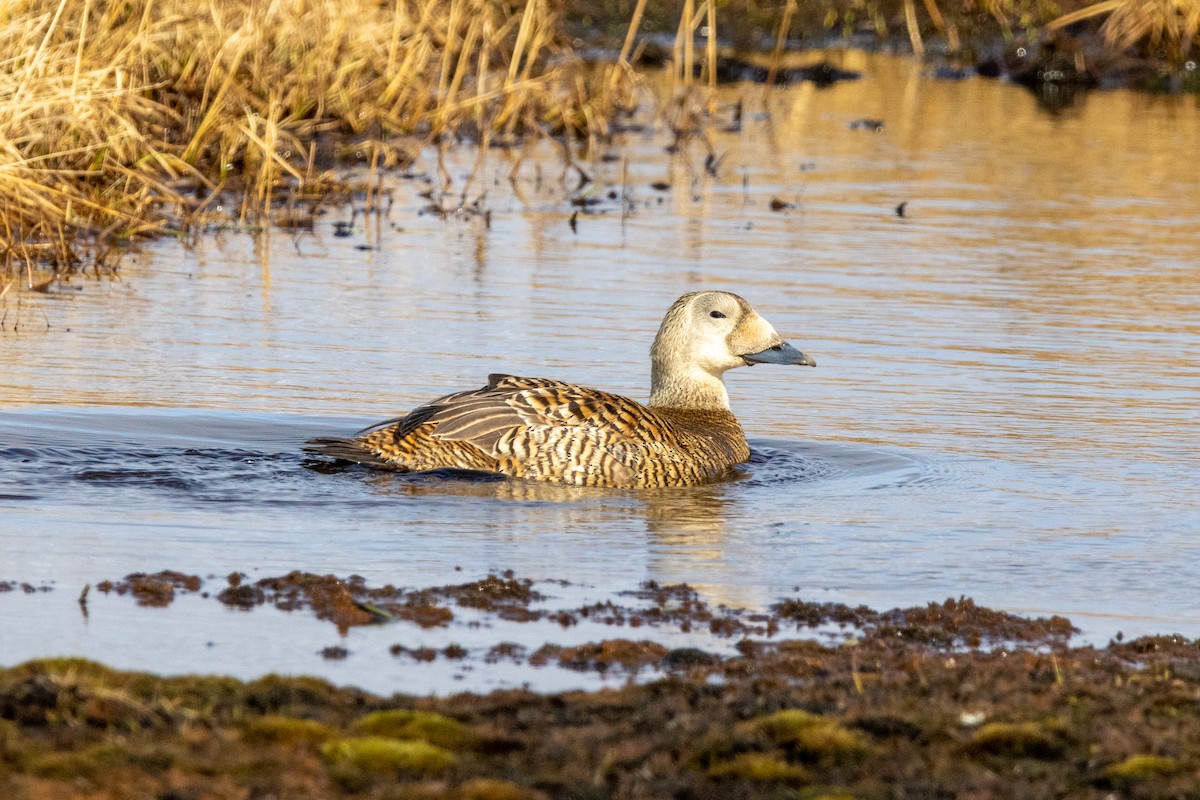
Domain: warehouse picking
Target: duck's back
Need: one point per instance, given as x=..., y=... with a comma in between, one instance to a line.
x=549, y=430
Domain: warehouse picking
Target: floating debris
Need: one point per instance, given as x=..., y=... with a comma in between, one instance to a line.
x=823, y=74
x=866, y=124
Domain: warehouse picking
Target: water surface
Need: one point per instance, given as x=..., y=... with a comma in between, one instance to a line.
x=1006, y=405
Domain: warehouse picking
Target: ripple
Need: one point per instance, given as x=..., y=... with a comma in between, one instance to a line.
x=148, y=457
x=866, y=467
x=788, y=463
x=108, y=458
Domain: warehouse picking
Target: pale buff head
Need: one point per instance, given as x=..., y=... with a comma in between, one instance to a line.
x=704, y=334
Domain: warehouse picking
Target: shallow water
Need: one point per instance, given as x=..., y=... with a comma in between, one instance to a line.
x=1006, y=407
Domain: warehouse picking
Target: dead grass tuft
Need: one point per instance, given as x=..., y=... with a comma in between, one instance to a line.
x=1166, y=27
x=119, y=120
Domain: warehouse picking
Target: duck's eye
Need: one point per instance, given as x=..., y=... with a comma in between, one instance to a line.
x=716, y=315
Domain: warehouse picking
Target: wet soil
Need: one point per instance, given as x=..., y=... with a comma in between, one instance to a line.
x=945, y=700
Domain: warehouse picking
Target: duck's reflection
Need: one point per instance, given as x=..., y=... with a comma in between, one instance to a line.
x=692, y=516
x=679, y=535
x=696, y=516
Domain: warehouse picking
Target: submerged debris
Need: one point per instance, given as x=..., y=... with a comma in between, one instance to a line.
x=27, y=588
x=156, y=590
x=867, y=124
x=951, y=623
x=349, y=602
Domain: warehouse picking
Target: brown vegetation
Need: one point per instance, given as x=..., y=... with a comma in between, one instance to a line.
x=946, y=700
x=120, y=120
x=1167, y=28
x=881, y=718
x=125, y=119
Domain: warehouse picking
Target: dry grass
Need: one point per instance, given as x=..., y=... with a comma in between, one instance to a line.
x=119, y=119
x=1168, y=28
x=123, y=119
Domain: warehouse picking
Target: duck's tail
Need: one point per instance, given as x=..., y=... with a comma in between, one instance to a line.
x=351, y=450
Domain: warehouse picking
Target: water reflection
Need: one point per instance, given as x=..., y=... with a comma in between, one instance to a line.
x=696, y=515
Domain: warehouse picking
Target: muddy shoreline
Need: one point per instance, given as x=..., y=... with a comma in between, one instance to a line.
x=1024, y=43
x=946, y=700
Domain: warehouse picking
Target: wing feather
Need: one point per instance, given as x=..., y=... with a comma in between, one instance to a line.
x=521, y=426
x=512, y=403
x=575, y=405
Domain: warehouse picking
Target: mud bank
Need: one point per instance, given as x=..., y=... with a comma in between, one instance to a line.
x=948, y=699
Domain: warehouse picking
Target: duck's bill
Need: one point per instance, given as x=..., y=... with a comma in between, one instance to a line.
x=782, y=353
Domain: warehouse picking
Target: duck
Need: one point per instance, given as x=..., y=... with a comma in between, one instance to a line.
x=549, y=430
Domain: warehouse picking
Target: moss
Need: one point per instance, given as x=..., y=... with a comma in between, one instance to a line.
x=92, y=762
x=1020, y=739
x=51, y=698
x=813, y=737
x=380, y=755
x=426, y=725
x=114, y=708
x=492, y=789
x=762, y=767
x=279, y=693
x=203, y=692
x=1143, y=768
x=287, y=730
x=79, y=668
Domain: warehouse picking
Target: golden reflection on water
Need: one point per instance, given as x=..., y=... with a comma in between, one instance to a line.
x=697, y=515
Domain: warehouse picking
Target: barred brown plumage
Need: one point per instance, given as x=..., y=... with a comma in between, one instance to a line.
x=548, y=430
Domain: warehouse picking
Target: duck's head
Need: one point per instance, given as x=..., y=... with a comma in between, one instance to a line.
x=703, y=335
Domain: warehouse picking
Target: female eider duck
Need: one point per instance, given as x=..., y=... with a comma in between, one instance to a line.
x=547, y=430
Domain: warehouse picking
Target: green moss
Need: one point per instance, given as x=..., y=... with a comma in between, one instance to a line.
x=78, y=668
x=425, y=725
x=1020, y=739
x=93, y=762
x=813, y=737
x=1143, y=768
x=201, y=692
x=105, y=696
x=380, y=755
x=762, y=767
x=286, y=730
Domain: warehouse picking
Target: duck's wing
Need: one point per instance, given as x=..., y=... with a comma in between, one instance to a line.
x=414, y=419
x=511, y=404
x=512, y=417
x=359, y=448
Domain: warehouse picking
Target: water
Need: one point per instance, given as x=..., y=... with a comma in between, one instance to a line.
x=1006, y=407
